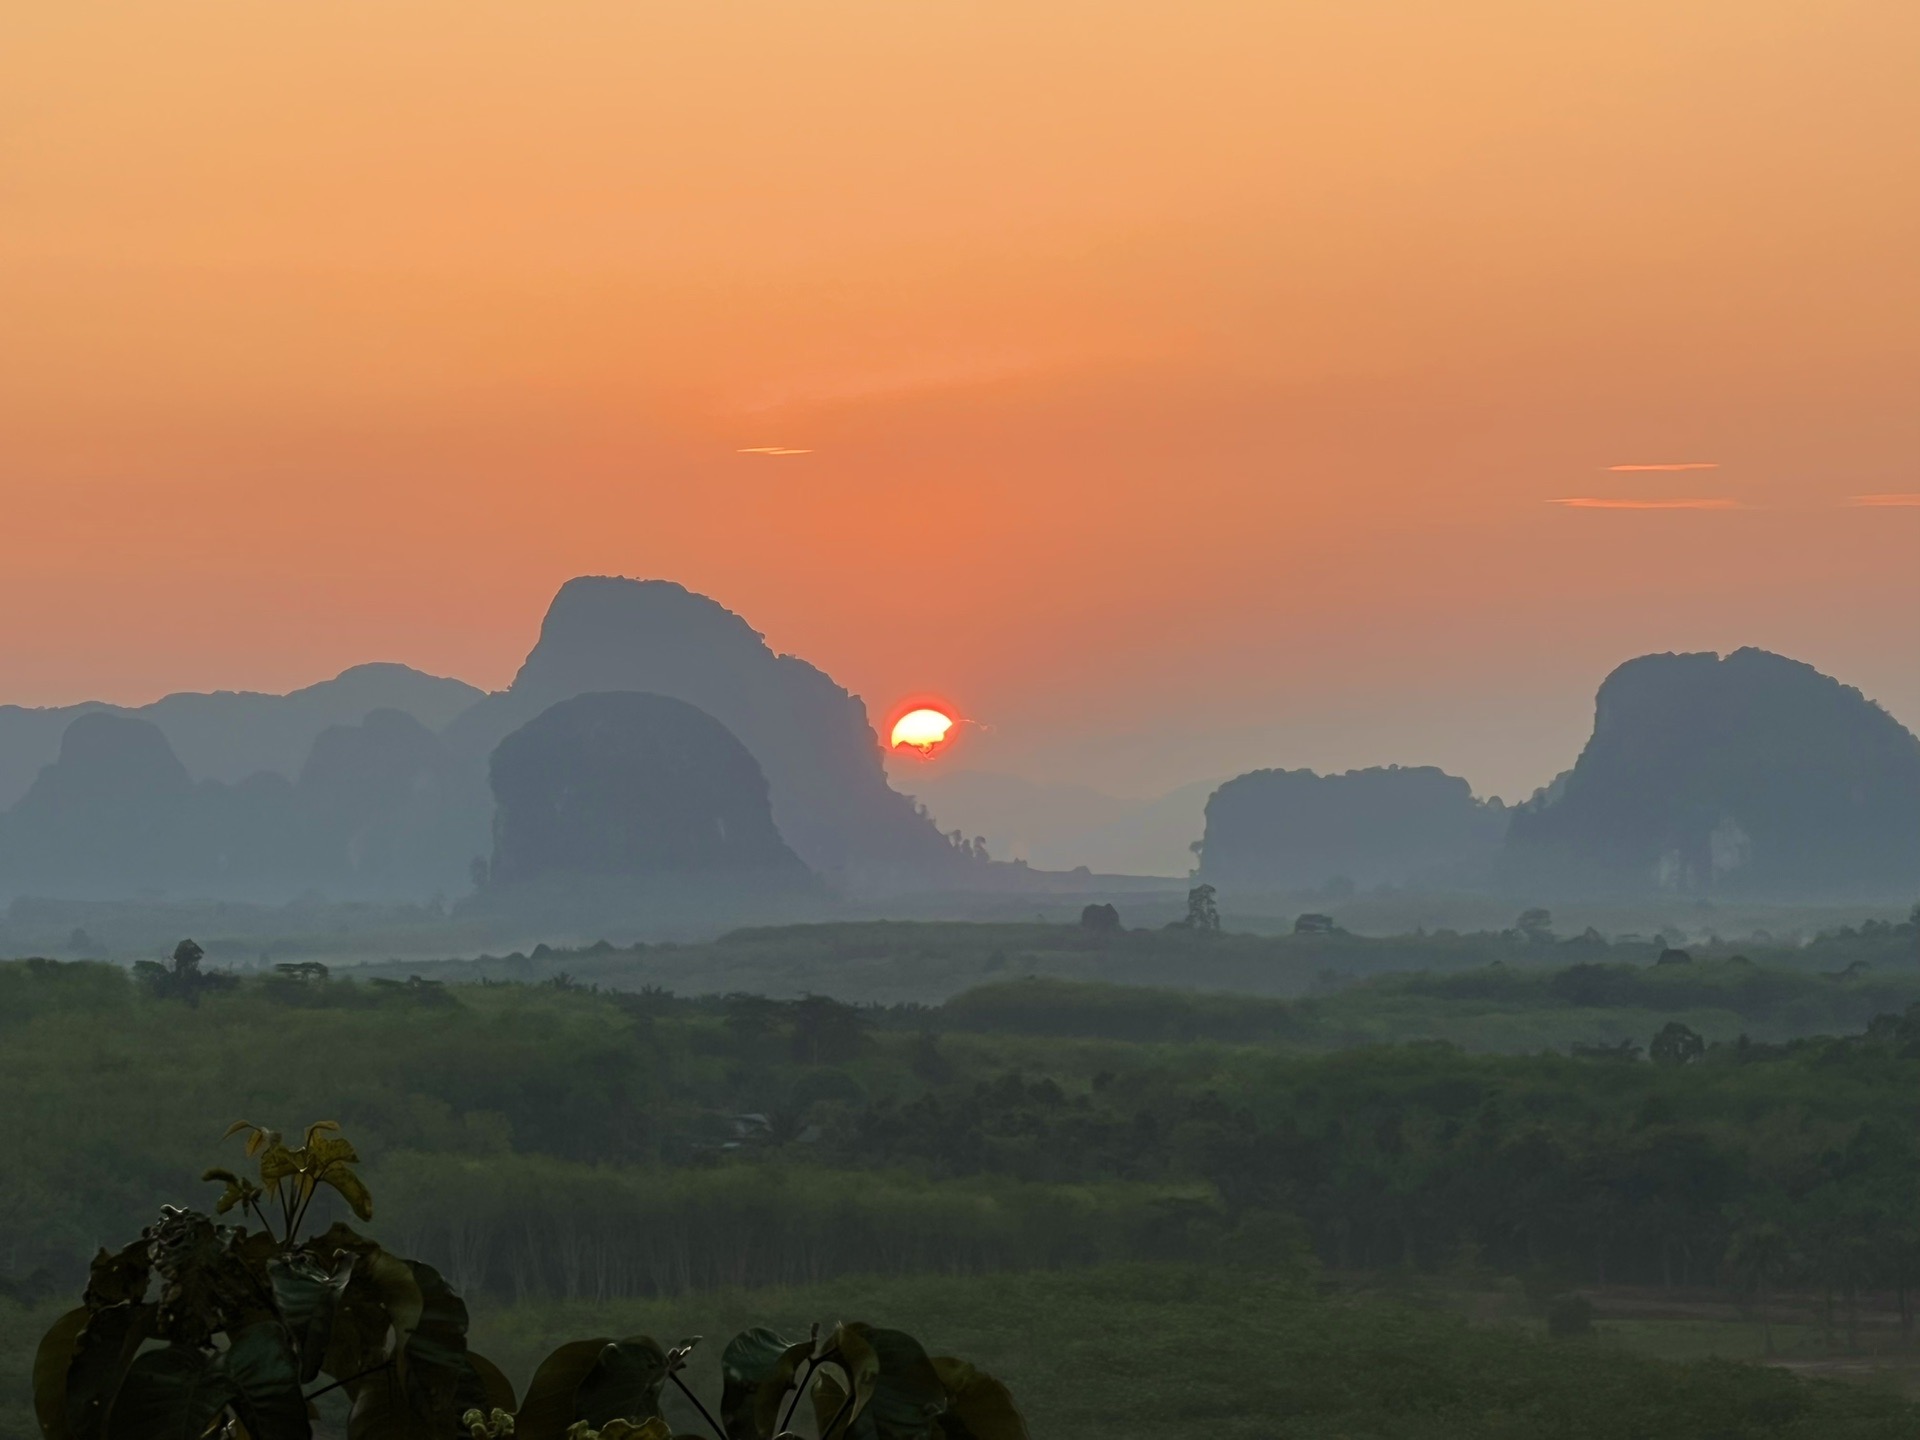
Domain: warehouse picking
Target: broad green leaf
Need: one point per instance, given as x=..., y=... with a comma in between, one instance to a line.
x=979, y=1406
x=351, y=1187
x=103, y=1351
x=381, y=1412
x=340, y=1236
x=434, y=1359
x=119, y=1276
x=239, y=1189
x=906, y=1397
x=377, y=1313
x=486, y=1388
x=50, y=1363
x=327, y=1150
x=845, y=1383
x=548, y=1408
x=171, y=1394
x=277, y=1164
x=258, y=1137
x=831, y=1412
x=624, y=1383
x=651, y=1429
x=261, y=1369
x=754, y=1359
x=308, y=1297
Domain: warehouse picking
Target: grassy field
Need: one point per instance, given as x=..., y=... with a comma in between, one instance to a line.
x=896, y=962
x=1191, y=1352
x=1185, y=1351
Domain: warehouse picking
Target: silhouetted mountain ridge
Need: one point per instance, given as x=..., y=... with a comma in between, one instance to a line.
x=1280, y=830
x=381, y=809
x=630, y=784
x=1749, y=773
x=231, y=734
x=811, y=738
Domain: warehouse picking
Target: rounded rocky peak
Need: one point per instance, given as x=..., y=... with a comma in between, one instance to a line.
x=387, y=749
x=630, y=783
x=1684, y=695
x=1751, y=771
x=109, y=757
x=599, y=615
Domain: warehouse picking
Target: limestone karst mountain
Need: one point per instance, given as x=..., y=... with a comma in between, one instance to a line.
x=381, y=809
x=1750, y=773
x=812, y=739
x=383, y=804
x=629, y=784
x=117, y=813
x=228, y=734
x=392, y=809
x=1279, y=830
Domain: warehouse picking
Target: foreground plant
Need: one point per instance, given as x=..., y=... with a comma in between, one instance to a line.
x=205, y=1331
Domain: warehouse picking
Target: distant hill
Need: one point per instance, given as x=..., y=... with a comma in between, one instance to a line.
x=828, y=789
x=1751, y=773
x=630, y=784
x=392, y=809
x=116, y=814
x=381, y=808
x=1279, y=830
x=229, y=734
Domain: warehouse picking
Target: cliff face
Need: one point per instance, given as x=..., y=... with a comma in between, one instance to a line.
x=1293, y=829
x=1751, y=773
x=821, y=758
x=631, y=785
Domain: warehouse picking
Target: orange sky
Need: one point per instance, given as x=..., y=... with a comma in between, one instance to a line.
x=1186, y=387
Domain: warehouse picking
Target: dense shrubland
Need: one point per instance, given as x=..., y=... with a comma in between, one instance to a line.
x=521, y=1130
x=599, y=1155
x=898, y=962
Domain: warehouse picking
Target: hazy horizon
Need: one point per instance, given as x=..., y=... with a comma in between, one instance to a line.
x=1174, y=398
x=1191, y=720
x=1503, y=754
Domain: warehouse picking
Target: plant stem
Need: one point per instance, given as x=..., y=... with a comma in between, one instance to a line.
x=799, y=1388
x=718, y=1429
x=325, y=1389
x=301, y=1215
x=827, y=1429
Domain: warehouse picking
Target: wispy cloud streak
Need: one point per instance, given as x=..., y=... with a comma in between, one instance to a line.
x=1885, y=502
x=1591, y=502
x=1677, y=465
x=772, y=450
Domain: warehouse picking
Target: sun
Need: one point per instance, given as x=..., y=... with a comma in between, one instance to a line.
x=924, y=730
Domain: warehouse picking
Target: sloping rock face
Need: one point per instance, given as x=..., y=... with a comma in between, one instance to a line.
x=1750, y=774
x=631, y=785
x=812, y=739
x=1293, y=829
